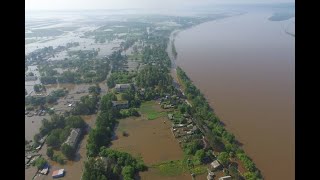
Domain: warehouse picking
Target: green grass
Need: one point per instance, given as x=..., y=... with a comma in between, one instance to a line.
x=149, y=109
x=171, y=168
x=118, y=95
x=175, y=168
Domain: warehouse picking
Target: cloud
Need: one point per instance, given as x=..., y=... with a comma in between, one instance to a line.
x=125, y=4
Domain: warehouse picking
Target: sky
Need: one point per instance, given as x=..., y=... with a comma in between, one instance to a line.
x=127, y=4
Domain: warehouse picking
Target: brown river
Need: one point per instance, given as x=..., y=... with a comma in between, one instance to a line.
x=245, y=67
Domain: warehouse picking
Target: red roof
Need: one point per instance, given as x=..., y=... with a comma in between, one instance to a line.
x=57, y=172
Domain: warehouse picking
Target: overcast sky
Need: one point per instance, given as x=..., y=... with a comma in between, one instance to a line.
x=124, y=4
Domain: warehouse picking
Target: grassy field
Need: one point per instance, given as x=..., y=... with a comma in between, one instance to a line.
x=149, y=109
x=175, y=168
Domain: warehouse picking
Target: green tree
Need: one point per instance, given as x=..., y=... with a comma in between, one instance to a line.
x=199, y=156
x=127, y=172
x=36, y=137
x=40, y=162
x=37, y=88
x=53, y=140
x=94, y=89
x=50, y=152
x=58, y=158
x=68, y=151
x=75, y=122
x=251, y=176
x=223, y=158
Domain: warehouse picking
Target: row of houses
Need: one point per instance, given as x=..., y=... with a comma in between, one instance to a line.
x=30, y=78
x=122, y=87
x=183, y=129
x=120, y=104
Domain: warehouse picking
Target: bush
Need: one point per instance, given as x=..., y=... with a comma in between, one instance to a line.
x=39, y=163
x=50, y=152
x=36, y=137
x=223, y=158
x=29, y=108
x=68, y=151
x=58, y=158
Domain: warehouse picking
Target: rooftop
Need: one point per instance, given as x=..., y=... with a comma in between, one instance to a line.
x=115, y=103
x=215, y=164
x=122, y=86
x=73, y=137
x=57, y=172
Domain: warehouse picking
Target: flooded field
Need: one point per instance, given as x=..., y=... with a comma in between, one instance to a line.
x=244, y=65
x=32, y=125
x=150, y=139
x=69, y=34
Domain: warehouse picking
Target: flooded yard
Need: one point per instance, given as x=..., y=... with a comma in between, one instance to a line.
x=73, y=169
x=32, y=125
x=151, y=139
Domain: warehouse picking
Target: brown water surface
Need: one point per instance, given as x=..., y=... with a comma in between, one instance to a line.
x=150, y=139
x=245, y=67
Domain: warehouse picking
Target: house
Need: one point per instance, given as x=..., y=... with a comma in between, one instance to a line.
x=215, y=164
x=168, y=106
x=122, y=87
x=44, y=170
x=170, y=116
x=210, y=175
x=73, y=137
x=58, y=173
x=120, y=104
x=178, y=125
x=30, y=78
x=225, y=178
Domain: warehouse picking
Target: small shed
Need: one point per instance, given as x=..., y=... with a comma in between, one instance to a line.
x=215, y=164
x=45, y=170
x=58, y=173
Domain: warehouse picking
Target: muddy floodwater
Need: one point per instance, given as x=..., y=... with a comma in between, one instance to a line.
x=245, y=67
x=73, y=169
x=150, y=139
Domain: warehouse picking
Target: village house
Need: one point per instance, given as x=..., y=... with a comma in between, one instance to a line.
x=122, y=87
x=215, y=164
x=73, y=137
x=120, y=104
x=30, y=78
x=58, y=173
